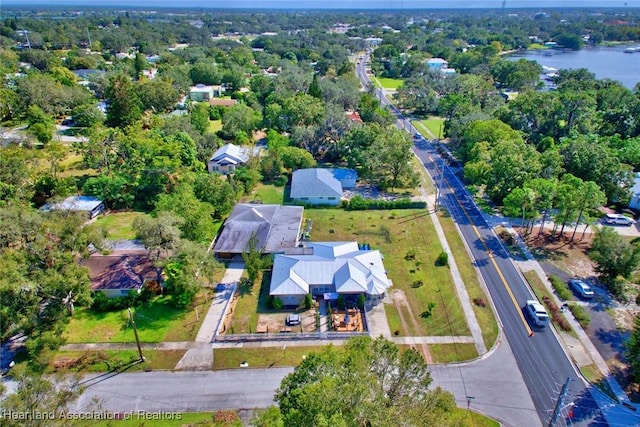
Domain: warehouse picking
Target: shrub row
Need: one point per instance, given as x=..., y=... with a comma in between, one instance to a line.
x=561, y=288
x=102, y=304
x=359, y=203
x=556, y=315
x=580, y=314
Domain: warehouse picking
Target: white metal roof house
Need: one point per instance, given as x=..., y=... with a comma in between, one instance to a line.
x=202, y=92
x=89, y=204
x=333, y=267
x=226, y=159
x=275, y=228
x=318, y=186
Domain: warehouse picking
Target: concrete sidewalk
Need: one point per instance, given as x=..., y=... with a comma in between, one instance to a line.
x=201, y=358
x=581, y=350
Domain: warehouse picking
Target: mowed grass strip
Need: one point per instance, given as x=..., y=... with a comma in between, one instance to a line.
x=395, y=233
x=453, y=353
x=173, y=419
x=119, y=225
x=156, y=321
x=388, y=83
x=485, y=316
x=261, y=357
x=114, y=360
x=431, y=127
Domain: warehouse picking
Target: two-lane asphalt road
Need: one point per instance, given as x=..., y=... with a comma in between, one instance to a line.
x=541, y=358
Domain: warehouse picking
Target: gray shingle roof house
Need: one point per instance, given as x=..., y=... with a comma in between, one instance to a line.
x=89, y=204
x=275, y=227
x=320, y=186
x=333, y=267
x=226, y=159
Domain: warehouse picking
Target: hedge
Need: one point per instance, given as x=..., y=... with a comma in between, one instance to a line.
x=359, y=203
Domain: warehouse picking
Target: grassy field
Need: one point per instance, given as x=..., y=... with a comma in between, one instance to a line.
x=119, y=225
x=156, y=321
x=247, y=306
x=174, y=419
x=485, y=316
x=214, y=125
x=452, y=353
x=395, y=233
x=388, y=83
x=432, y=125
x=114, y=360
x=267, y=193
x=267, y=357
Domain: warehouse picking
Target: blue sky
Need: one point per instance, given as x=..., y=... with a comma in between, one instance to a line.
x=340, y=4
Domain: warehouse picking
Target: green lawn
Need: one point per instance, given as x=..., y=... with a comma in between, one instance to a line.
x=267, y=193
x=214, y=126
x=267, y=357
x=452, y=353
x=388, y=83
x=156, y=321
x=433, y=126
x=485, y=316
x=173, y=419
x=395, y=233
x=114, y=360
x=119, y=225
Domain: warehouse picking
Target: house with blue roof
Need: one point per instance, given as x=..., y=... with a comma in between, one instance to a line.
x=321, y=186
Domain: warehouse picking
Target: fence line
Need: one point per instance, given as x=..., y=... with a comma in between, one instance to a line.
x=287, y=336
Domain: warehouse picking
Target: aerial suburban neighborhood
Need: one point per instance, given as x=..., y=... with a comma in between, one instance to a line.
x=310, y=216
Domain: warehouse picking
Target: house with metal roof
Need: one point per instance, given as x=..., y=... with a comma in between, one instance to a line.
x=226, y=159
x=321, y=186
x=89, y=204
x=274, y=228
x=332, y=269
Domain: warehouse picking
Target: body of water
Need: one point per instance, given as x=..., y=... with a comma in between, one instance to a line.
x=605, y=63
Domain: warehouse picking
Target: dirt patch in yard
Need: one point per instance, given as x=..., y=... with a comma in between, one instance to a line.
x=406, y=315
x=569, y=256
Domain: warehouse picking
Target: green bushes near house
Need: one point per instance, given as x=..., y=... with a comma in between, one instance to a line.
x=359, y=203
x=102, y=304
x=561, y=288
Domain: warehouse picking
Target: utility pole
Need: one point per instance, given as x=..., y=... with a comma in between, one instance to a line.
x=556, y=410
x=135, y=332
x=439, y=185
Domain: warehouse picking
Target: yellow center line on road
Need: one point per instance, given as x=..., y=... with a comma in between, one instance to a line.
x=495, y=264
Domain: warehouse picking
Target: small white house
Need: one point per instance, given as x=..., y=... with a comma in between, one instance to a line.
x=89, y=204
x=200, y=92
x=226, y=159
x=318, y=186
x=634, y=203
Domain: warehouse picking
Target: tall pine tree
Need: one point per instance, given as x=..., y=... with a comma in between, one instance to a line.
x=314, y=87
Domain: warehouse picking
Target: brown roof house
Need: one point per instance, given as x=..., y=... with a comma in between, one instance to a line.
x=121, y=272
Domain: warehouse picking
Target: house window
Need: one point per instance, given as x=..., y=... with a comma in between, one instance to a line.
x=304, y=198
x=124, y=291
x=331, y=198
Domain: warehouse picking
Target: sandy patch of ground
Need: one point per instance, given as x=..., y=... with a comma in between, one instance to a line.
x=406, y=315
x=276, y=322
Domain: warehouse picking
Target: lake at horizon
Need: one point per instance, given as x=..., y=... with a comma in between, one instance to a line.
x=611, y=63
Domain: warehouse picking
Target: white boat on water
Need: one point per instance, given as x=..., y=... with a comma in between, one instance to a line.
x=631, y=49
